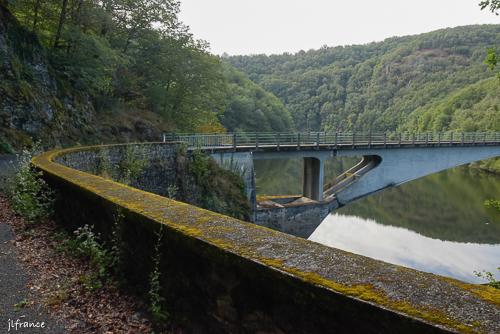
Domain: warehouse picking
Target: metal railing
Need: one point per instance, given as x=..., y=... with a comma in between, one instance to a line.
x=328, y=139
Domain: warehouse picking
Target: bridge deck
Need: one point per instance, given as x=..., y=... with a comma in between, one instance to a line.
x=328, y=141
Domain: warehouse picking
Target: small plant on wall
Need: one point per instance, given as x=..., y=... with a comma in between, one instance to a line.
x=134, y=161
x=156, y=299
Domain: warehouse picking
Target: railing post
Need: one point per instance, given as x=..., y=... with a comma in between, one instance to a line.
x=298, y=141
x=317, y=140
x=256, y=140
x=484, y=138
x=427, y=139
x=370, y=139
x=474, y=138
x=462, y=141
x=353, y=139
x=385, y=139
x=413, y=138
x=278, y=139
x=400, y=139
x=234, y=141
x=439, y=138
x=336, y=139
x=451, y=139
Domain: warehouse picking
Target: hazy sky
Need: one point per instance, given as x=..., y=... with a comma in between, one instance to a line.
x=277, y=26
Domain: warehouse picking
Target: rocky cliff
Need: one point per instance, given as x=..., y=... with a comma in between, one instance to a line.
x=38, y=103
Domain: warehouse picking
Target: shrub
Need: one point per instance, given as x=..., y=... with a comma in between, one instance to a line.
x=132, y=164
x=29, y=193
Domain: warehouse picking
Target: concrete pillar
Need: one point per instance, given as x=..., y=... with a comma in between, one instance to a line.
x=313, y=178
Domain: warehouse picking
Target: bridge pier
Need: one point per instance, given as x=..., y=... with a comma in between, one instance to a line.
x=313, y=178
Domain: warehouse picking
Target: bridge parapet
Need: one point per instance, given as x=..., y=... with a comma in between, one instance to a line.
x=308, y=140
x=226, y=275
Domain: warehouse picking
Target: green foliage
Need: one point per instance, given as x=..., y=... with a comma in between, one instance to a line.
x=136, y=56
x=30, y=195
x=5, y=148
x=117, y=244
x=172, y=191
x=132, y=164
x=85, y=243
x=489, y=277
x=492, y=58
x=22, y=304
x=492, y=5
x=157, y=301
x=379, y=86
x=250, y=108
x=202, y=182
x=492, y=203
x=104, y=166
x=218, y=189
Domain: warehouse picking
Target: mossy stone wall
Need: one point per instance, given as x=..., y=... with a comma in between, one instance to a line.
x=223, y=275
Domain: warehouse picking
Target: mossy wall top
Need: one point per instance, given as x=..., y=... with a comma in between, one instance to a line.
x=397, y=292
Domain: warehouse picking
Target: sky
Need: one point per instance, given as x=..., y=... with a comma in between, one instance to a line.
x=241, y=27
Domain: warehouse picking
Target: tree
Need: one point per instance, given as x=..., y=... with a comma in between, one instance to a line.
x=491, y=59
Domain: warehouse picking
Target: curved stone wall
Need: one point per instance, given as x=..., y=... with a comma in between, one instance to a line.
x=220, y=274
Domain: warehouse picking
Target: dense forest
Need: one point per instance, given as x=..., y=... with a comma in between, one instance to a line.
x=88, y=71
x=435, y=81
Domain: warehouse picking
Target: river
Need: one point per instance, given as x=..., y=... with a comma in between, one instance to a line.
x=436, y=224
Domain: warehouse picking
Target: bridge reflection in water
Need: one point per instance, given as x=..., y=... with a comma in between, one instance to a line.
x=388, y=160
x=437, y=224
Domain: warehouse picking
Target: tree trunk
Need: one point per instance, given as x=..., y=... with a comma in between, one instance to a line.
x=35, y=15
x=60, y=25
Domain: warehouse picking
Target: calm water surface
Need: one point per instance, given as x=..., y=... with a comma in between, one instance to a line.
x=437, y=224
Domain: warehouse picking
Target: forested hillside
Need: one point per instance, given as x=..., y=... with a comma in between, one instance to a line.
x=434, y=81
x=84, y=71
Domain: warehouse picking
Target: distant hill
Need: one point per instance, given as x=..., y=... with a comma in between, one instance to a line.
x=433, y=81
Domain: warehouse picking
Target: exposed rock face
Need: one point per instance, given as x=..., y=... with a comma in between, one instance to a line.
x=39, y=103
x=33, y=104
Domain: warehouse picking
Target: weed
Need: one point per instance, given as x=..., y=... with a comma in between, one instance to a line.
x=30, y=195
x=132, y=164
x=117, y=241
x=156, y=299
x=172, y=191
x=488, y=276
x=22, y=304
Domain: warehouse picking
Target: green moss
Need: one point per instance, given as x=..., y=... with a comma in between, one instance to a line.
x=368, y=293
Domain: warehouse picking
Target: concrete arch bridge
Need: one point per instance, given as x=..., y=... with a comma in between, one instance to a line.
x=388, y=160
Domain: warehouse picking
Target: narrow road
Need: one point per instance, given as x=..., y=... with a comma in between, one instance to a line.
x=17, y=304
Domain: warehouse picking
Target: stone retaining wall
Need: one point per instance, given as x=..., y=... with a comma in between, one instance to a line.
x=223, y=275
